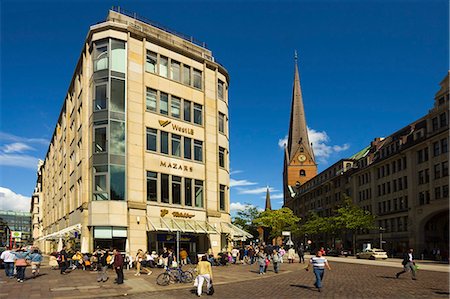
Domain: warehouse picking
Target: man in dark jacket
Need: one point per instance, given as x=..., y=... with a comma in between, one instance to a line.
x=63, y=260
x=102, y=266
x=409, y=264
x=118, y=265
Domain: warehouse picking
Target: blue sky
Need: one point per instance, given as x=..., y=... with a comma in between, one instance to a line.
x=367, y=68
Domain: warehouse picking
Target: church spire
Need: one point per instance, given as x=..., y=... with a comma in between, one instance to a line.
x=298, y=134
x=268, y=205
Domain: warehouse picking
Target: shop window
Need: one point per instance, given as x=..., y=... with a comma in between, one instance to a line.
x=164, y=188
x=152, y=183
x=150, y=101
x=188, y=192
x=187, y=148
x=198, y=194
x=164, y=103
x=187, y=110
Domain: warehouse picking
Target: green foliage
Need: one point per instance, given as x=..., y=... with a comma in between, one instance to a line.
x=278, y=221
x=244, y=219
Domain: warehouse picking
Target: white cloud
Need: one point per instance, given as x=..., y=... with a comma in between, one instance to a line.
x=276, y=196
x=24, y=161
x=236, y=172
x=237, y=206
x=255, y=190
x=13, y=201
x=9, y=137
x=17, y=147
x=234, y=183
x=320, y=141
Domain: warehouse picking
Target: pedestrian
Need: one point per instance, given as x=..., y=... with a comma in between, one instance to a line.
x=118, y=266
x=204, y=271
x=291, y=255
x=282, y=252
x=319, y=263
x=21, y=263
x=102, y=266
x=36, y=259
x=261, y=258
x=183, y=257
x=8, y=259
x=276, y=259
x=63, y=260
x=140, y=256
x=409, y=264
x=301, y=254
x=234, y=255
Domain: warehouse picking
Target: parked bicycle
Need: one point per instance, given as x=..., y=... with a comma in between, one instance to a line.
x=175, y=275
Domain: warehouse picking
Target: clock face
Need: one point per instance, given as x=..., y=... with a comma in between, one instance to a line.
x=302, y=158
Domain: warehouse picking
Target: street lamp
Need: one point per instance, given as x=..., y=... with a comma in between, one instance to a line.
x=381, y=237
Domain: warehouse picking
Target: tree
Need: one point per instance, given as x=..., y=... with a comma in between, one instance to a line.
x=278, y=221
x=244, y=219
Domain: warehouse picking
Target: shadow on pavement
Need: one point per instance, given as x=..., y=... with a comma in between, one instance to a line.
x=388, y=277
x=33, y=277
x=303, y=286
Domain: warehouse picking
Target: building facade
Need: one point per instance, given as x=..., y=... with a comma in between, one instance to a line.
x=299, y=160
x=16, y=226
x=140, y=151
x=401, y=179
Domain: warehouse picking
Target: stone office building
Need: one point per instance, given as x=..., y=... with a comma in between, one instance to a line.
x=401, y=179
x=141, y=148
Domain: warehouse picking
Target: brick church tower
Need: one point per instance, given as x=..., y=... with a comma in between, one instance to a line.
x=299, y=161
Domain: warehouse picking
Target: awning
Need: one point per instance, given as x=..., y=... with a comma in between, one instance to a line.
x=61, y=233
x=182, y=225
x=236, y=233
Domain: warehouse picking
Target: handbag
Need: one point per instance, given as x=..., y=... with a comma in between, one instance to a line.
x=21, y=262
x=210, y=291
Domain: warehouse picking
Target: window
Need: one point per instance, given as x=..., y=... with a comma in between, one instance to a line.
x=164, y=188
x=197, y=79
x=151, y=99
x=187, y=148
x=188, y=192
x=198, y=194
x=434, y=124
x=100, y=185
x=175, y=105
x=100, y=142
x=437, y=171
x=220, y=86
x=445, y=168
x=302, y=172
x=164, y=103
x=176, y=145
x=164, y=146
x=175, y=71
x=118, y=56
x=436, y=149
x=100, y=96
x=176, y=190
x=444, y=145
x=150, y=63
x=101, y=56
x=443, y=119
x=198, y=150
x=117, y=182
x=117, y=138
x=163, y=63
x=222, y=198
x=221, y=122
x=221, y=157
x=186, y=75
x=445, y=191
x=152, y=136
x=437, y=193
x=152, y=183
x=187, y=110
x=198, y=111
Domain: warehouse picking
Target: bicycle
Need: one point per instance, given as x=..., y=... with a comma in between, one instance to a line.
x=174, y=275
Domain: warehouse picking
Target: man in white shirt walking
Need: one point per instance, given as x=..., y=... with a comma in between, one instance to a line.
x=8, y=259
x=408, y=264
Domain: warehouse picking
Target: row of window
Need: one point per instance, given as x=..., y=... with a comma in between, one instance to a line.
x=440, y=147
x=167, y=104
x=397, y=165
x=178, y=146
x=398, y=224
x=398, y=204
x=365, y=194
x=170, y=68
x=441, y=192
x=397, y=185
x=440, y=122
x=364, y=179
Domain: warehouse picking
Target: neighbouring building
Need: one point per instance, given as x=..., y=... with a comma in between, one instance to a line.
x=16, y=225
x=402, y=179
x=299, y=160
x=140, y=152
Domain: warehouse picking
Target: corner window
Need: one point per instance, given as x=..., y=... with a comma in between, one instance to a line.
x=100, y=141
x=117, y=182
x=117, y=95
x=100, y=94
x=101, y=56
x=118, y=56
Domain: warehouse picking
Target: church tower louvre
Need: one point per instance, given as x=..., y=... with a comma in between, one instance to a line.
x=299, y=160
